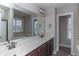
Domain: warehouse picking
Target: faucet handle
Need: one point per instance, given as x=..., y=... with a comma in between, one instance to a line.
x=14, y=55
x=11, y=45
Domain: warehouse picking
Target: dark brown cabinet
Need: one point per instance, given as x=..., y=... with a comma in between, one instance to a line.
x=33, y=53
x=48, y=50
x=52, y=45
x=44, y=50
x=49, y=47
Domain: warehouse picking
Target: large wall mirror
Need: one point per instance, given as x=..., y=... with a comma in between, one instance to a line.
x=27, y=25
x=23, y=25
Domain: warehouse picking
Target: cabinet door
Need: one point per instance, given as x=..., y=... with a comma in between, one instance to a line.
x=52, y=45
x=49, y=47
x=42, y=50
x=33, y=53
x=48, y=50
x=42, y=53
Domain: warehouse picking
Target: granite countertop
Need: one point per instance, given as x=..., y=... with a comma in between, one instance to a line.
x=26, y=45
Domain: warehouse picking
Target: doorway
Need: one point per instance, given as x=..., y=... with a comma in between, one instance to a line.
x=35, y=23
x=65, y=31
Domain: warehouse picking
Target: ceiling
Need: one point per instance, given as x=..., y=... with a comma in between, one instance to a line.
x=48, y=5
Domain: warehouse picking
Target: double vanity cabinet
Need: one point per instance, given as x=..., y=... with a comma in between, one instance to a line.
x=45, y=49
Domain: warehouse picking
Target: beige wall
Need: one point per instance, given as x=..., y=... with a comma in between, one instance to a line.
x=50, y=19
x=77, y=22
x=41, y=22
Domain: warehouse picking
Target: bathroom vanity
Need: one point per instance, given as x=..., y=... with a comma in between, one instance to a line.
x=29, y=46
x=45, y=49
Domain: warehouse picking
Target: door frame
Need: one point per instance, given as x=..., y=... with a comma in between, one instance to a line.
x=64, y=14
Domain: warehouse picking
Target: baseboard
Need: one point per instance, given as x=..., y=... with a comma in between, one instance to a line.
x=65, y=45
x=74, y=54
x=61, y=45
x=55, y=51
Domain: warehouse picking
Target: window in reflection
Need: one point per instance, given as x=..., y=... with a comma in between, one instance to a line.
x=17, y=25
x=35, y=30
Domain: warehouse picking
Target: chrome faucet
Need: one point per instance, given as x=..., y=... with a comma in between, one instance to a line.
x=42, y=35
x=11, y=45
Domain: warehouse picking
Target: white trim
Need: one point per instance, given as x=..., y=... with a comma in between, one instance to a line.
x=57, y=32
x=65, y=45
x=32, y=24
x=70, y=13
x=73, y=54
x=54, y=52
x=0, y=22
x=72, y=36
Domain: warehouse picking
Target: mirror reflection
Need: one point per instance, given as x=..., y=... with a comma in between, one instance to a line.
x=22, y=24
x=3, y=30
x=25, y=25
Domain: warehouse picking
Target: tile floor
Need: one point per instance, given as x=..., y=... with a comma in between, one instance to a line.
x=63, y=51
